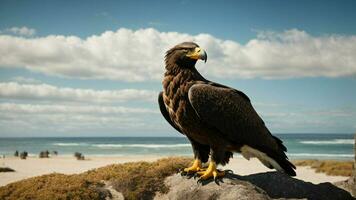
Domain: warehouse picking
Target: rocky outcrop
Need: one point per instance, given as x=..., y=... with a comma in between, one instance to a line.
x=352, y=180
x=183, y=188
x=269, y=185
x=350, y=184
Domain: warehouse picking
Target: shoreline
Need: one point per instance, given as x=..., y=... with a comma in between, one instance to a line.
x=34, y=166
x=292, y=157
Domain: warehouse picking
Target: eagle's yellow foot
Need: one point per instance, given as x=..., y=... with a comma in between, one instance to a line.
x=211, y=172
x=197, y=166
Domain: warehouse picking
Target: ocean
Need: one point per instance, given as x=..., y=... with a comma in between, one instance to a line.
x=300, y=146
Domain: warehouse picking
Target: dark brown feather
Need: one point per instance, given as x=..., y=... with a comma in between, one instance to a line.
x=164, y=112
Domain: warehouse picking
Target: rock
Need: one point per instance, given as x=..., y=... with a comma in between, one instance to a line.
x=278, y=185
x=269, y=185
x=183, y=188
x=55, y=153
x=44, y=154
x=113, y=194
x=352, y=180
x=350, y=184
x=79, y=156
x=23, y=155
x=6, y=169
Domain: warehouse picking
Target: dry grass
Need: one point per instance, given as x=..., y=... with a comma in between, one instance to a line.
x=6, y=169
x=139, y=180
x=136, y=180
x=329, y=167
x=53, y=186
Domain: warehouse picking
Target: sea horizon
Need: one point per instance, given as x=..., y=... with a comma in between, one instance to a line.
x=178, y=135
x=300, y=146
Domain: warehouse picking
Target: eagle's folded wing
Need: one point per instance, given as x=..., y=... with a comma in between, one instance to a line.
x=231, y=113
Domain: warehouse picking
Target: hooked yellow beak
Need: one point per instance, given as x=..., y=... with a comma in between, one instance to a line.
x=198, y=53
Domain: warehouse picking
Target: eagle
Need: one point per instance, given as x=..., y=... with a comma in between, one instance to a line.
x=217, y=120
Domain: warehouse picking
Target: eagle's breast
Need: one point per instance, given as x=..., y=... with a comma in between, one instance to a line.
x=175, y=97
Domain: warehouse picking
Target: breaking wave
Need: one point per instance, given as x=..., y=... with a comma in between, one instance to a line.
x=109, y=146
x=322, y=142
x=69, y=144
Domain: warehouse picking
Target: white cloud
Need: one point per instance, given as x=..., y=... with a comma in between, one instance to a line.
x=22, y=31
x=21, y=79
x=123, y=55
x=56, y=118
x=307, y=120
x=43, y=109
x=334, y=113
x=45, y=92
x=71, y=109
x=138, y=55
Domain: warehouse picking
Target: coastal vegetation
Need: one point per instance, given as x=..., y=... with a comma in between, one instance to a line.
x=329, y=167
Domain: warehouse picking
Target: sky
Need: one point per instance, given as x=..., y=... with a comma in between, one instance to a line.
x=94, y=68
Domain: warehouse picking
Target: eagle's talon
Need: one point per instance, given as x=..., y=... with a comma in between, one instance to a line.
x=211, y=172
x=200, y=181
x=196, y=167
x=216, y=180
x=183, y=173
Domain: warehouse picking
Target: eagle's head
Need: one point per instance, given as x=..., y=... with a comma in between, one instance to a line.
x=185, y=54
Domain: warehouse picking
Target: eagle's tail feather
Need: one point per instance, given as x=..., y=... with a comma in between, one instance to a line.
x=286, y=165
x=270, y=160
x=282, y=159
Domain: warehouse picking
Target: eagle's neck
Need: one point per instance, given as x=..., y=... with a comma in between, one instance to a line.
x=184, y=73
x=172, y=69
x=180, y=79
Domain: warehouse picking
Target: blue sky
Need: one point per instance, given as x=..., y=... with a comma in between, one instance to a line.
x=92, y=68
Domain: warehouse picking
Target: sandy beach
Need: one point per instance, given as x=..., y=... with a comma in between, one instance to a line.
x=34, y=166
